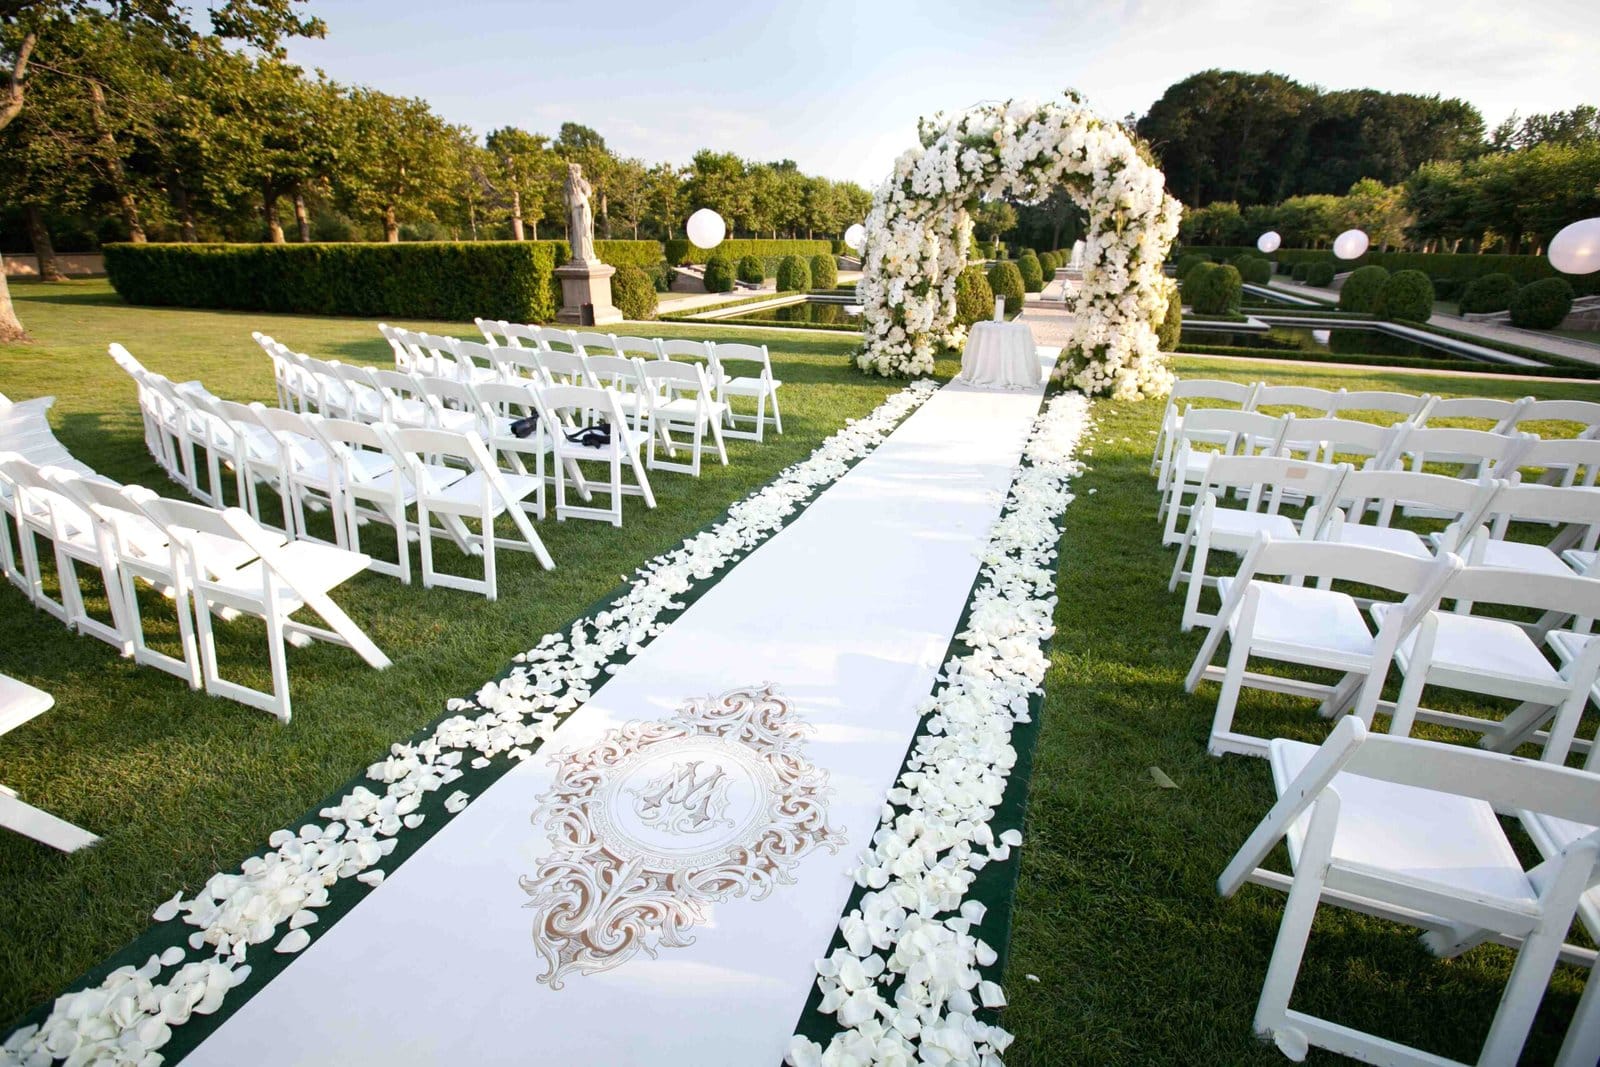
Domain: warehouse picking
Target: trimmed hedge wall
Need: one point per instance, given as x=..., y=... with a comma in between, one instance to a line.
x=644, y=254
x=1460, y=266
x=450, y=280
x=771, y=253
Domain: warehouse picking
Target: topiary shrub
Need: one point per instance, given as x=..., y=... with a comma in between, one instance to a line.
x=1188, y=263
x=719, y=275
x=1214, y=289
x=1360, y=290
x=1320, y=273
x=1488, y=293
x=750, y=270
x=1541, y=305
x=1032, y=272
x=1170, y=325
x=1252, y=268
x=634, y=293
x=1408, y=295
x=793, y=274
x=1006, y=280
x=1050, y=262
x=974, y=297
x=1298, y=271
x=824, y=272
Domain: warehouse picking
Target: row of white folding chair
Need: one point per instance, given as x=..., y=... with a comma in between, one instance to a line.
x=207, y=561
x=722, y=362
x=20, y=703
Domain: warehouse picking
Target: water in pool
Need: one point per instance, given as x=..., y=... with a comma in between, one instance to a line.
x=1342, y=340
x=819, y=313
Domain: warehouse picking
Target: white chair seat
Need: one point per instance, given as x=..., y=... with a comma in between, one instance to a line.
x=322, y=471
x=1297, y=623
x=315, y=566
x=1408, y=832
x=749, y=386
x=1479, y=647
x=1514, y=555
x=465, y=495
x=1232, y=525
x=1581, y=561
x=1386, y=537
x=20, y=702
x=622, y=437
x=687, y=407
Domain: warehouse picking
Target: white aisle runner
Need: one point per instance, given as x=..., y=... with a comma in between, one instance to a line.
x=846, y=614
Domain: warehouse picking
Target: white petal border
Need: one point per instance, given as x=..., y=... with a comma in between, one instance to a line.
x=908, y=980
x=271, y=906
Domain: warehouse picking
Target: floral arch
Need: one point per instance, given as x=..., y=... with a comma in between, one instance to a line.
x=920, y=227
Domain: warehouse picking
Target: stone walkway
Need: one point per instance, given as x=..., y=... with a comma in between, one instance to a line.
x=1047, y=316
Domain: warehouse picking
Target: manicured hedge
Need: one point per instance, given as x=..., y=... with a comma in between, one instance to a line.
x=1360, y=290
x=1213, y=288
x=644, y=254
x=1252, y=268
x=1170, y=326
x=1541, y=305
x=974, y=297
x=719, y=274
x=1006, y=280
x=427, y=280
x=1488, y=293
x=1462, y=266
x=680, y=251
x=1408, y=295
x=1320, y=273
x=794, y=274
x=751, y=270
x=634, y=293
x=824, y=271
x=1032, y=271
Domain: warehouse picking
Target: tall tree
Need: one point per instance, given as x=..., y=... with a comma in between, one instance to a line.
x=522, y=172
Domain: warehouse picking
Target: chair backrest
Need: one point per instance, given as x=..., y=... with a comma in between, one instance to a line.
x=1500, y=413
x=1566, y=594
x=516, y=333
x=591, y=343
x=343, y=437
x=421, y=446
x=473, y=356
x=506, y=399
x=1345, y=436
x=1394, y=571
x=643, y=347
x=493, y=330
x=565, y=368
x=678, y=349
x=1270, y=478
x=1236, y=393
x=297, y=441
x=557, y=340
x=743, y=353
x=447, y=394
x=182, y=520
x=1546, y=503
x=1294, y=396
x=125, y=360
x=405, y=353
x=1408, y=405
x=1465, y=498
x=559, y=402
x=1580, y=458
x=115, y=506
x=1457, y=445
x=1230, y=428
x=1586, y=413
x=683, y=376
x=617, y=372
x=516, y=363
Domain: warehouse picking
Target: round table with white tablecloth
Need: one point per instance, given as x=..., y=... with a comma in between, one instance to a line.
x=1000, y=355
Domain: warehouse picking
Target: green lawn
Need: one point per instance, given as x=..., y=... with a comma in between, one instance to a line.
x=1138, y=960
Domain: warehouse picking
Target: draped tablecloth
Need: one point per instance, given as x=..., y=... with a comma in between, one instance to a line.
x=1000, y=355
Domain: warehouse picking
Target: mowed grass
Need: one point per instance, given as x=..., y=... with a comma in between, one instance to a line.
x=179, y=784
x=1138, y=959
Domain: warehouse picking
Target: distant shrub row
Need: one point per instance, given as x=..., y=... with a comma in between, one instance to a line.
x=1444, y=268
x=680, y=251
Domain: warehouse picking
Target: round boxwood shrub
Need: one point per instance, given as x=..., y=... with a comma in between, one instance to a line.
x=1051, y=262
x=1407, y=294
x=750, y=270
x=634, y=293
x=793, y=274
x=1170, y=325
x=719, y=275
x=1320, y=273
x=824, y=272
x=1032, y=272
x=1298, y=271
x=1188, y=263
x=1541, y=305
x=1487, y=293
x=1360, y=291
x=1446, y=287
x=1252, y=268
x=1006, y=280
x=974, y=297
x=1213, y=289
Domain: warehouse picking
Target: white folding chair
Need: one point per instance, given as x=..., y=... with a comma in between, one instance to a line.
x=493, y=330
x=1231, y=432
x=1501, y=415
x=1552, y=836
x=452, y=405
x=683, y=400
x=508, y=404
x=313, y=475
x=1475, y=453
x=521, y=335
x=1460, y=502
x=404, y=401
x=1289, y=622
x=1318, y=402
x=80, y=538
x=641, y=347
x=565, y=369
x=284, y=371
x=483, y=495
x=758, y=385
x=279, y=581
x=1266, y=482
x=20, y=702
x=623, y=376
x=476, y=362
x=419, y=353
x=1576, y=510
x=1331, y=440
x=555, y=339
x=40, y=512
x=1410, y=407
x=1564, y=461
x=517, y=364
x=591, y=343
x=258, y=460
x=1237, y=395
x=571, y=412
x=1406, y=830
x=1586, y=413
x=1495, y=658
x=362, y=399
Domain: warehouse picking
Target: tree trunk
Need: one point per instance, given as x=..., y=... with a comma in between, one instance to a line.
x=605, y=216
x=535, y=230
x=180, y=200
x=269, y=213
x=636, y=231
x=516, y=215
x=391, y=226
x=302, y=217
x=472, y=219
x=43, y=247
x=10, y=326
x=118, y=178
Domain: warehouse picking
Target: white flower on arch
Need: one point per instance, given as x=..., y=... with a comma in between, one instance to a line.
x=919, y=230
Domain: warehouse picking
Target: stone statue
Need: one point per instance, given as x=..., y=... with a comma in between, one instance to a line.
x=580, y=217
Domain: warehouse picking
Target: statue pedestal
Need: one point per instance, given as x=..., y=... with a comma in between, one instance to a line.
x=586, y=291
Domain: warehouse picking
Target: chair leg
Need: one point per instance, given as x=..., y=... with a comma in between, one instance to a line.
x=716, y=435
x=777, y=416
x=278, y=657
x=643, y=479
x=43, y=827
x=1298, y=911
x=1233, y=680
x=1582, y=1045
x=425, y=536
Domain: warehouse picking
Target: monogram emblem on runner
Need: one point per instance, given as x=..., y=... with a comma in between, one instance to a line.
x=660, y=819
x=684, y=800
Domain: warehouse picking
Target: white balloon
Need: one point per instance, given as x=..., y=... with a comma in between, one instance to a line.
x=1269, y=241
x=706, y=228
x=856, y=236
x=1576, y=249
x=1350, y=244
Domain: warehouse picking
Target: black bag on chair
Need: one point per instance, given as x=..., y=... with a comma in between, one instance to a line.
x=525, y=427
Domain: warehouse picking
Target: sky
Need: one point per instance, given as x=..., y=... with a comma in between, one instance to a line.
x=838, y=86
